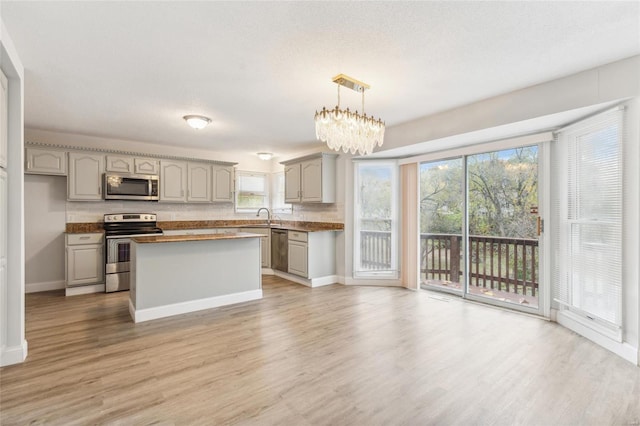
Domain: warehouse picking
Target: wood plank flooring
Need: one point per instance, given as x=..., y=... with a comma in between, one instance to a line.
x=332, y=355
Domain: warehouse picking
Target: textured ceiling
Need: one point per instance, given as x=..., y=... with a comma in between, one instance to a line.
x=131, y=70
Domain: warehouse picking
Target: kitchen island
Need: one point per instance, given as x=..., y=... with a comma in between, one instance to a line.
x=172, y=275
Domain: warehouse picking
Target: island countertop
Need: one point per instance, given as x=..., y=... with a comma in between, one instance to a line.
x=88, y=227
x=182, y=238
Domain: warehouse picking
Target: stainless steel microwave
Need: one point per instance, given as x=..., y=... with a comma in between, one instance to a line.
x=125, y=186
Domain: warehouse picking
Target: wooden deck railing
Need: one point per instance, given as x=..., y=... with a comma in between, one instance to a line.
x=505, y=264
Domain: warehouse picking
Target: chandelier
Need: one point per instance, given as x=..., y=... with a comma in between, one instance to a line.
x=349, y=131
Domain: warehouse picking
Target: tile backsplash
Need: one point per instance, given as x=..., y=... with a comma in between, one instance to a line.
x=80, y=212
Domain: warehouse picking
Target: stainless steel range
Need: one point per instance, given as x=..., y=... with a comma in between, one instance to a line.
x=118, y=230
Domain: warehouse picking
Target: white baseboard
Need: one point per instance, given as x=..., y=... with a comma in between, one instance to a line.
x=44, y=286
x=84, y=289
x=622, y=349
x=141, y=315
x=313, y=282
x=14, y=354
x=267, y=271
x=373, y=282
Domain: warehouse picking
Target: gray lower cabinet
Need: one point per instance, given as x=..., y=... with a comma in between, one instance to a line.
x=265, y=244
x=312, y=254
x=298, y=258
x=85, y=259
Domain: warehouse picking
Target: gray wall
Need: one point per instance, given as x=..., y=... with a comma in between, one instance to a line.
x=45, y=201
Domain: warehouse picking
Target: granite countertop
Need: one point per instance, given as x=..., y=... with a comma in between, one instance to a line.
x=81, y=228
x=290, y=225
x=185, y=238
x=84, y=228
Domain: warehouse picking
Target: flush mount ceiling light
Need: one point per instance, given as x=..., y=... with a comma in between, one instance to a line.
x=265, y=156
x=197, y=121
x=349, y=131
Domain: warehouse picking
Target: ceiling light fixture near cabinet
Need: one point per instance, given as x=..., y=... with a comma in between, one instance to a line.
x=265, y=156
x=349, y=131
x=197, y=121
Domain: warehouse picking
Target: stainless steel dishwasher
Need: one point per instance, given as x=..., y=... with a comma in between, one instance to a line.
x=279, y=250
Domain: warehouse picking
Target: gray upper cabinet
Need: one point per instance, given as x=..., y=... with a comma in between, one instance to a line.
x=311, y=179
x=85, y=176
x=199, y=183
x=146, y=166
x=180, y=181
x=127, y=164
x=222, y=184
x=292, y=183
x=173, y=181
x=311, y=184
x=45, y=161
x=119, y=163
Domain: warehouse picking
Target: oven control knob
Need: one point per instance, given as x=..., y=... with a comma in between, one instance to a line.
x=147, y=217
x=109, y=217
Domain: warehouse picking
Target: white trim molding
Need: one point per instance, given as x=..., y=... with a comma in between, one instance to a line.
x=13, y=355
x=84, y=289
x=311, y=282
x=374, y=282
x=44, y=286
x=575, y=323
x=141, y=315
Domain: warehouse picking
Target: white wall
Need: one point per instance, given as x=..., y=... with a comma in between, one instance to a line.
x=45, y=220
x=617, y=80
x=13, y=347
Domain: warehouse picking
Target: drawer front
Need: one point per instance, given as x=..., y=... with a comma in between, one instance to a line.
x=298, y=236
x=78, y=239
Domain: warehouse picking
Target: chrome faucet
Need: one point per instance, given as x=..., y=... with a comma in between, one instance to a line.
x=268, y=214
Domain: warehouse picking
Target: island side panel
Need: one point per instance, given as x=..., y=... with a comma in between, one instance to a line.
x=175, y=272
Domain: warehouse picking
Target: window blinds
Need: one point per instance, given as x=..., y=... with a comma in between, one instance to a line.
x=588, y=201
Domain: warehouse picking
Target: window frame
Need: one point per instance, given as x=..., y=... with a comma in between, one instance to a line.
x=266, y=195
x=394, y=271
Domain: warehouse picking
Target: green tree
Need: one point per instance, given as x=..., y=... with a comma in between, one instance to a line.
x=502, y=190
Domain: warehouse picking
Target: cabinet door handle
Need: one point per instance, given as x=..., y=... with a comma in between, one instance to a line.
x=182, y=192
x=99, y=189
x=28, y=165
x=84, y=238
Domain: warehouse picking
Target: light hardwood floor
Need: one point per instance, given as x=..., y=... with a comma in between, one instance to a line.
x=332, y=355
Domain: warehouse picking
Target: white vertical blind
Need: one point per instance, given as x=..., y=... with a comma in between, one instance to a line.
x=588, y=201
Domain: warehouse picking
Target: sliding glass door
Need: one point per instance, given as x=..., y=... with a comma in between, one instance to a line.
x=441, y=225
x=503, y=225
x=480, y=225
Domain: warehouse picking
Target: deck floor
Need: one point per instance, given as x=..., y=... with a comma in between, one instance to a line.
x=491, y=293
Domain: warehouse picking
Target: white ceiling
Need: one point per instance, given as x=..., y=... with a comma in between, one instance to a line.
x=131, y=70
